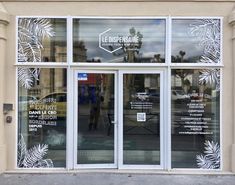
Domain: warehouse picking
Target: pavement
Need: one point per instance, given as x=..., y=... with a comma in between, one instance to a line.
x=114, y=179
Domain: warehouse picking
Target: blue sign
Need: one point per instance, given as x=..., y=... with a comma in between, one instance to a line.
x=82, y=76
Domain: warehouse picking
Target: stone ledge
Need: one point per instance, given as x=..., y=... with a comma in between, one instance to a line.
x=118, y=1
x=118, y=171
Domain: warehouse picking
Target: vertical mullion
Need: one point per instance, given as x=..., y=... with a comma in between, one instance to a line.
x=70, y=90
x=69, y=40
x=162, y=116
x=17, y=97
x=75, y=118
x=116, y=120
x=168, y=99
x=120, y=120
x=221, y=94
x=221, y=118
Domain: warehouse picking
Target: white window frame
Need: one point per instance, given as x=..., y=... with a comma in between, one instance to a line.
x=167, y=66
x=163, y=143
x=75, y=117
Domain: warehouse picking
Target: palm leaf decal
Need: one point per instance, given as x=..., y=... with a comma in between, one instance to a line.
x=21, y=150
x=208, y=33
x=45, y=163
x=211, y=77
x=38, y=27
x=31, y=32
x=27, y=76
x=33, y=157
x=211, y=157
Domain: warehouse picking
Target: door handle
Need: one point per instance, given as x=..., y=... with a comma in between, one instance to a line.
x=113, y=122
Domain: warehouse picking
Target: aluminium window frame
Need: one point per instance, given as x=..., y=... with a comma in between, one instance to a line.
x=167, y=67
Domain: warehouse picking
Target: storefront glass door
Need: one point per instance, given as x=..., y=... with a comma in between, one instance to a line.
x=141, y=117
x=118, y=119
x=95, y=119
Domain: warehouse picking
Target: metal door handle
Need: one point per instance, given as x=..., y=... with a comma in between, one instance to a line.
x=113, y=122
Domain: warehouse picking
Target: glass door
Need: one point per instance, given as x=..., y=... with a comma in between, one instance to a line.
x=95, y=116
x=141, y=117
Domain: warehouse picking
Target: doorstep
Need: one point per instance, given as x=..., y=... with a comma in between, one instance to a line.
x=121, y=171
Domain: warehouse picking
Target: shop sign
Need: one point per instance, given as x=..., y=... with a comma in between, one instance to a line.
x=112, y=42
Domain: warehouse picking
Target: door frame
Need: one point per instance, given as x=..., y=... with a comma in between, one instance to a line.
x=75, y=120
x=120, y=118
x=118, y=128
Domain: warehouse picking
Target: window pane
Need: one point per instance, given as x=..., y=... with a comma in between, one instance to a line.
x=42, y=118
x=196, y=41
x=42, y=40
x=119, y=41
x=141, y=119
x=195, y=104
x=95, y=118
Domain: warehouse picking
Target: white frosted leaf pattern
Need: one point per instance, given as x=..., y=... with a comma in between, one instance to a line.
x=34, y=154
x=211, y=77
x=33, y=157
x=211, y=157
x=27, y=76
x=207, y=31
x=31, y=52
x=45, y=163
x=21, y=150
x=31, y=32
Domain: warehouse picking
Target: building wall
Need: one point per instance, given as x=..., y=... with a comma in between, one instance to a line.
x=106, y=8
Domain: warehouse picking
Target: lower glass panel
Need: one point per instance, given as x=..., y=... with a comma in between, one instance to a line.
x=42, y=118
x=195, y=127
x=95, y=118
x=141, y=119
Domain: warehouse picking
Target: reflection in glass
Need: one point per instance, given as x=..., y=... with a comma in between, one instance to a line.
x=141, y=119
x=42, y=40
x=42, y=119
x=95, y=142
x=195, y=41
x=195, y=105
x=119, y=41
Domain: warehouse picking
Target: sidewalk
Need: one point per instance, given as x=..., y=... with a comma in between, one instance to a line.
x=114, y=179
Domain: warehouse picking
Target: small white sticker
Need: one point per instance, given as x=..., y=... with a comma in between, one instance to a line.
x=141, y=117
